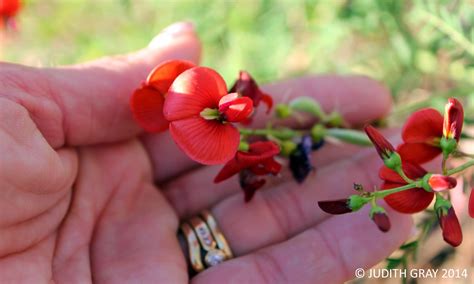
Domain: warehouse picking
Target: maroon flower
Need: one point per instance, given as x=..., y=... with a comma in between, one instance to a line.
x=247, y=87
x=382, y=221
x=258, y=161
x=383, y=147
x=450, y=226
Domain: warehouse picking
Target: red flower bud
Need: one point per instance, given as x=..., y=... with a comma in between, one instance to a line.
x=450, y=226
x=335, y=207
x=439, y=182
x=382, y=221
x=471, y=204
x=234, y=108
x=383, y=147
x=247, y=87
x=453, y=119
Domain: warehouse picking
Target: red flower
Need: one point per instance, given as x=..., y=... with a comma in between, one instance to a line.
x=247, y=87
x=147, y=101
x=201, y=130
x=421, y=135
x=439, y=182
x=450, y=226
x=9, y=8
x=453, y=119
x=471, y=204
x=407, y=201
x=382, y=221
x=383, y=147
x=258, y=161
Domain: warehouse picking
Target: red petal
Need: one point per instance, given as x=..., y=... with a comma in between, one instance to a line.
x=9, y=8
x=266, y=167
x=383, y=147
x=453, y=119
x=471, y=204
x=409, y=201
x=229, y=169
x=267, y=100
x=452, y=232
x=163, y=75
x=413, y=171
x=208, y=142
x=193, y=91
x=423, y=126
x=250, y=189
x=440, y=183
x=147, y=109
x=235, y=108
x=418, y=153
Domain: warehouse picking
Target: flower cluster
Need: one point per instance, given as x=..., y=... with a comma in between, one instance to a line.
x=407, y=187
x=193, y=103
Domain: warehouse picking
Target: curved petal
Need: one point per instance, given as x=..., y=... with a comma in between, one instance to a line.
x=147, y=109
x=471, y=204
x=409, y=201
x=453, y=119
x=208, y=142
x=234, y=108
x=193, y=91
x=418, y=153
x=423, y=126
x=413, y=171
x=163, y=75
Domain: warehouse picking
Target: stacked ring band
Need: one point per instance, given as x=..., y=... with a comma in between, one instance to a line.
x=206, y=245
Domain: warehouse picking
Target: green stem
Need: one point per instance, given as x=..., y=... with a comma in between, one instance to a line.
x=282, y=133
x=384, y=193
x=403, y=175
x=460, y=168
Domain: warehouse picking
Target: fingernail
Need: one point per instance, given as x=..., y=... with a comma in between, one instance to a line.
x=171, y=32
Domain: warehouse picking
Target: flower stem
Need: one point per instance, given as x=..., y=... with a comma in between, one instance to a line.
x=461, y=168
x=402, y=174
x=281, y=133
x=384, y=193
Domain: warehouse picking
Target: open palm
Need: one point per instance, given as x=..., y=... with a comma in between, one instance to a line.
x=83, y=199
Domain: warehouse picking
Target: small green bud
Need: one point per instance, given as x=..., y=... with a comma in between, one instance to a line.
x=284, y=133
x=393, y=161
x=287, y=147
x=448, y=145
x=244, y=146
x=283, y=111
x=335, y=119
x=309, y=105
x=356, y=202
x=318, y=132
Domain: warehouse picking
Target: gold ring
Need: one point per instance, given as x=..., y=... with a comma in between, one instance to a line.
x=206, y=245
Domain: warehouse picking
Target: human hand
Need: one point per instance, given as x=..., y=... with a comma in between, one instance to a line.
x=79, y=203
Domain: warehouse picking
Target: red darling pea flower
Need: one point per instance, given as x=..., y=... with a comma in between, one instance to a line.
x=407, y=201
x=258, y=161
x=421, y=134
x=449, y=223
x=147, y=101
x=247, y=87
x=199, y=111
x=439, y=183
x=8, y=10
x=453, y=119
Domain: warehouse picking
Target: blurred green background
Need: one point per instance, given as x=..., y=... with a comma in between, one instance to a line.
x=419, y=49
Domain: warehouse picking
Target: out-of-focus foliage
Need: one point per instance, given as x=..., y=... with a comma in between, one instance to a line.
x=417, y=48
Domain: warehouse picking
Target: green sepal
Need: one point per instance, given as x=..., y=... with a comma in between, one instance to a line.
x=376, y=209
x=283, y=111
x=425, y=184
x=448, y=145
x=356, y=202
x=393, y=161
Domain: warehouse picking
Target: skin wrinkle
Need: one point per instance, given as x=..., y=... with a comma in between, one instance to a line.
x=269, y=266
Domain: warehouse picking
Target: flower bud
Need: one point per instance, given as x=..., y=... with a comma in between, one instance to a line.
x=448, y=221
x=335, y=207
x=309, y=105
x=234, y=108
x=383, y=147
x=318, y=131
x=437, y=183
x=380, y=218
x=453, y=119
x=335, y=119
x=283, y=111
x=287, y=147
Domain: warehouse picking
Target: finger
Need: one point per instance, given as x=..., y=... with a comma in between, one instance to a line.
x=89, y=103
x=327, y=253
x=359, y=100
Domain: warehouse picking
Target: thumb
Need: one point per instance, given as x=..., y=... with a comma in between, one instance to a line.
x=89, y=103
